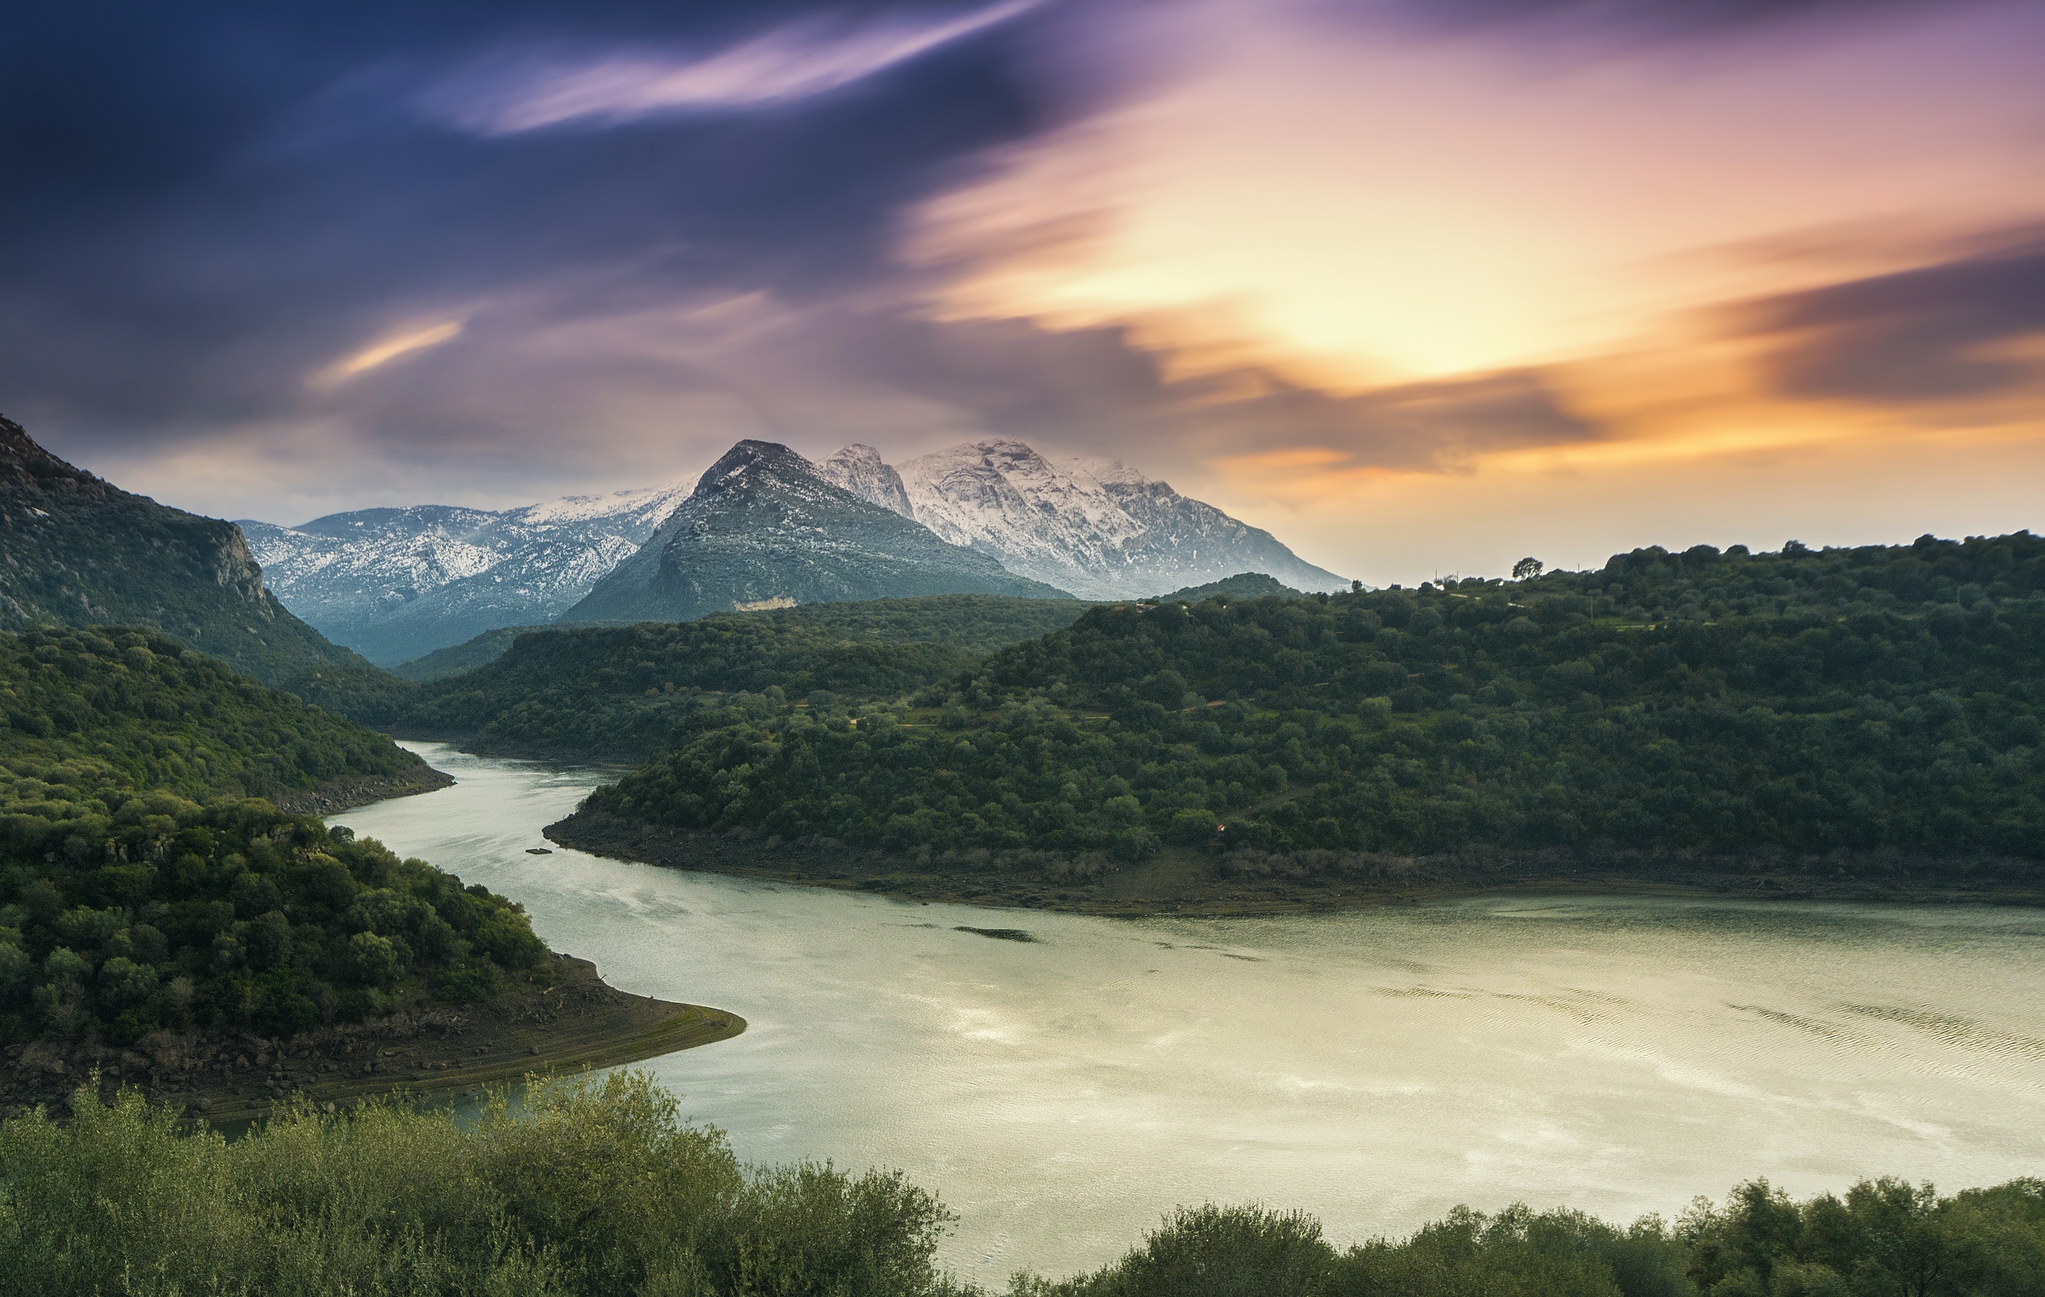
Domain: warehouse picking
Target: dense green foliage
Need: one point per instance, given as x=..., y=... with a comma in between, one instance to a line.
x=620, y=691
x=97, y=713
x=465, y=656
x=1243, y=585
x=1873, y=699
x=142, y=887
x=125, y=915
x=1884, y=1237
x=594, y=1187
x=78, y=551
x=587, y=1188
x=358, y=691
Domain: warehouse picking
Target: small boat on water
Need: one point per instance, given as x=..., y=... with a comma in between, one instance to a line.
x=539, y=851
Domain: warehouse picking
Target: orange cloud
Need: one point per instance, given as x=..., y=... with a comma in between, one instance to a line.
x=1364, y=215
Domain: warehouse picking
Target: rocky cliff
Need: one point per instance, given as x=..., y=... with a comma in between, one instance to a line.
x=76, y=550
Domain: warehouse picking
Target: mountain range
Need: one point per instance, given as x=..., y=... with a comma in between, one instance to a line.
x=398, y=583
x=764, y=528
x=1092, y=526
x=76, y=550
x=982, y=517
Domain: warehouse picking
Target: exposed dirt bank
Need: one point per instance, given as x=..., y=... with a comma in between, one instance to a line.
x=576, y=1023
x=1198, y=882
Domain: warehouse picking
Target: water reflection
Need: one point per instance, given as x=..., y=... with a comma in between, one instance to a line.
x=1619, y=1055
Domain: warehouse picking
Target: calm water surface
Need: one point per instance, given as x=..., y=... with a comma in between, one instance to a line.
x=1614, y=1054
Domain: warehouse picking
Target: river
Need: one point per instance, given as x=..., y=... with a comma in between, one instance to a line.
x=1618, y=1055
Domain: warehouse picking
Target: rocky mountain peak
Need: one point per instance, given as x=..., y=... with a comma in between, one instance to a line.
x=1093, y=526
x=859, y=470
x=750, y=457
x=766, y=528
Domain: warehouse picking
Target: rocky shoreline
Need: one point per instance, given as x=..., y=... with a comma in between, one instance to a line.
x=576, y=1022
x=339, y=795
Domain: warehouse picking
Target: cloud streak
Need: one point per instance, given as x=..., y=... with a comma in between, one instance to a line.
x=788, y=64
x=1437, y=251
x=383, y=352
x=1969, y=326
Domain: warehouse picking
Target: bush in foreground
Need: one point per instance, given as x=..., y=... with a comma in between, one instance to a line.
x=594, y=1186
x=589, y=1187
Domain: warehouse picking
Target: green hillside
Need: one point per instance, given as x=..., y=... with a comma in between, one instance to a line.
x=1880, y=699
x=78, y=551
x=1243, y=585
x=465, y=656
x=616, y=692
x=143, y=886
x=130, y=709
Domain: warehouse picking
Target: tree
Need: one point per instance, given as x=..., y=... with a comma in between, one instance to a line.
x=1527, y=569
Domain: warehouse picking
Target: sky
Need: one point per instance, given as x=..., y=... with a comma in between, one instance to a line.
x=1421, y=286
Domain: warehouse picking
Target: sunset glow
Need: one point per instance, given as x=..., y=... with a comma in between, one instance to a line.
x=1333, y=268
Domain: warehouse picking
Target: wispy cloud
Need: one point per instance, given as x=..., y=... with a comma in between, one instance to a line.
x=787, y=64
x=385, y=350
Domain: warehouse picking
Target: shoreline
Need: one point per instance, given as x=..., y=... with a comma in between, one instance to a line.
x=577, y=1023
x=1198, y=884
x=476, y=745
x=337, y=795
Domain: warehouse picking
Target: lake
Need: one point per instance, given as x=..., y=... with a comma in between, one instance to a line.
x=1616, y=1054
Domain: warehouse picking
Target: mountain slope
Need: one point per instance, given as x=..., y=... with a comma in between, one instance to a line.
x=763, y=525
x=859, y=470
x=618, y=692
x=142, y=892
x=78, y=551
x=1094, y=527
x=399, y=583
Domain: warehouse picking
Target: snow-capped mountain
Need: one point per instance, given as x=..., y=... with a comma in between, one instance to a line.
x=767, y=528
x=1092, y=526
x=397, y=583
x=859, y=470
x=984, y=517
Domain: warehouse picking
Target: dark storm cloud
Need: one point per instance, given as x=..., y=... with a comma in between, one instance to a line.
x=208, y=203
x=1964, y=328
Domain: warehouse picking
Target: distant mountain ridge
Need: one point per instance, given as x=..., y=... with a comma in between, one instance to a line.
x=765, y=524
x=1095, y=527
x=399, y=583
x=76, y=550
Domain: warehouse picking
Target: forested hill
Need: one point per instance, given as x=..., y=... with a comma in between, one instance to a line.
x=143, y=886
x=616, y=692
x=1243, y=585
x=79, y=551
x=97, y=710
x=1881, y=698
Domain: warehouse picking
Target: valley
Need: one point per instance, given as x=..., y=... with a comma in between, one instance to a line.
x=1374, y=1066
x=1001, y=648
